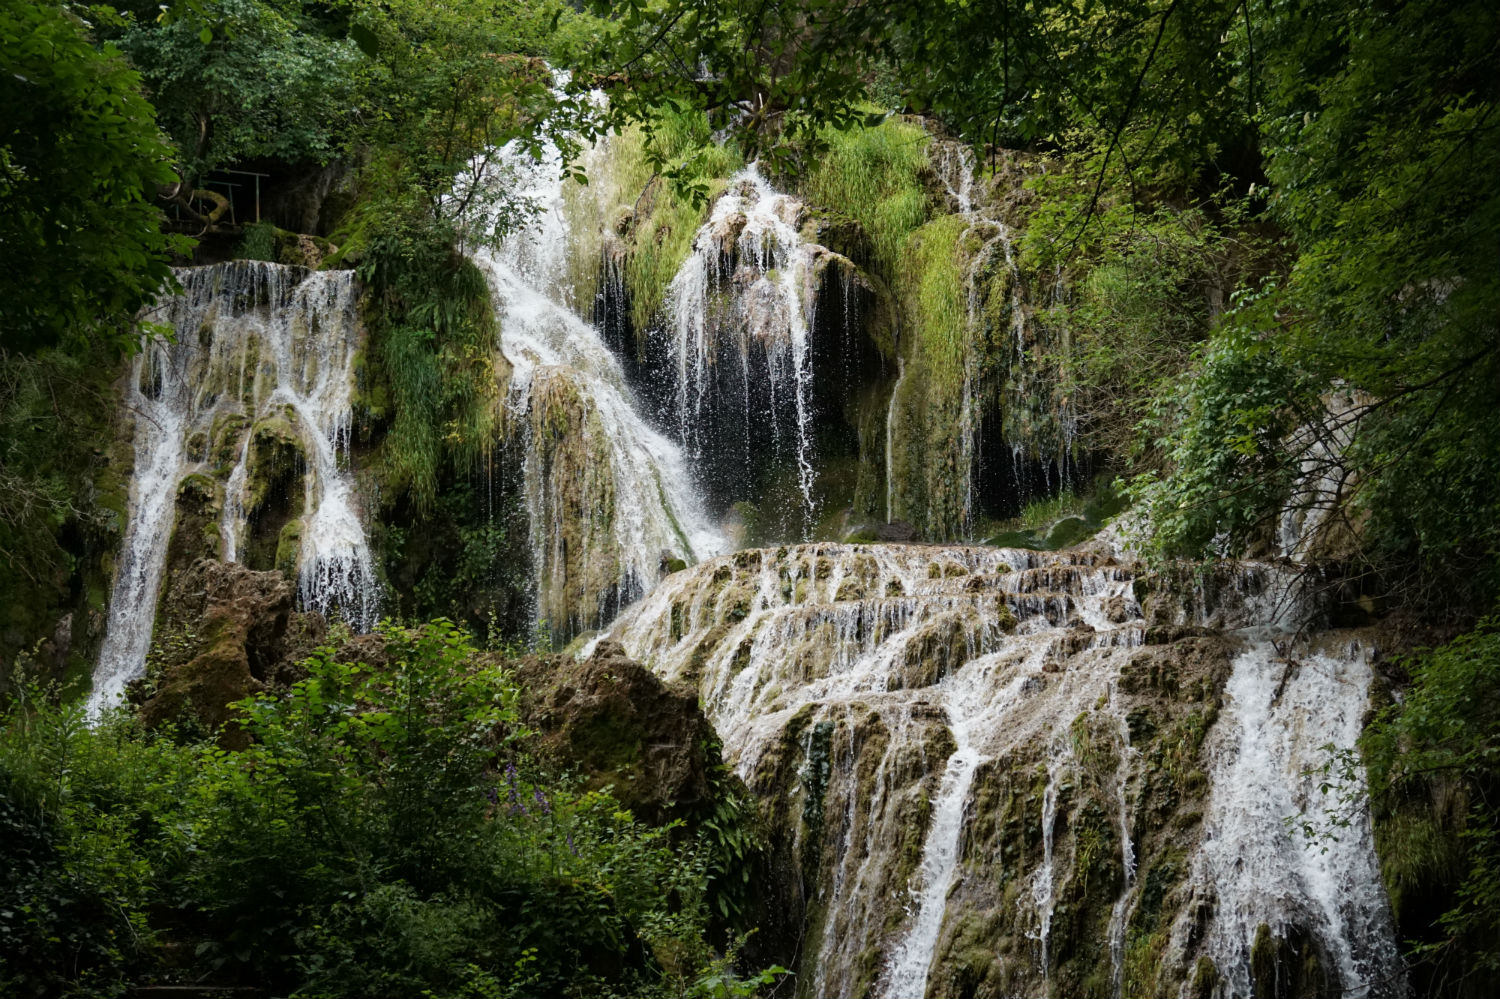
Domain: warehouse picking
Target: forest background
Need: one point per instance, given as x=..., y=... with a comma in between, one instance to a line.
x=1332, y=163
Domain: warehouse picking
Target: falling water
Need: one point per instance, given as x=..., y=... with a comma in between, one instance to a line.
x=1285, y=713
x=954, y=163
x=628, y=493
x=745, y=295
x=258, y=345
x=999, y=662
x=969, y=705
x=1120, y=912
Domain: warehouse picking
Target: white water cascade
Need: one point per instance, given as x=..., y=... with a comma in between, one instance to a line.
x=994, y=725
x=744, y=298
x=262, y=352
x=1284, y=711
x=625, y=488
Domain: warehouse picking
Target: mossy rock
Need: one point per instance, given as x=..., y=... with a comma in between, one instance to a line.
x=195, y=532
x=618, y=725
x=226, y=438
x=289, y=548
x=228, y=624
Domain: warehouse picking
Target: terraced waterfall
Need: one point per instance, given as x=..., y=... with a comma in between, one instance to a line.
x=984, y=771
x=1024, y=773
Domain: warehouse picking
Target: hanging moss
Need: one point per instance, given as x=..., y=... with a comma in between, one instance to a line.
x=927, y=404
x=573, y=502
x=662, y=175
x=288, y=548
x=431, y=369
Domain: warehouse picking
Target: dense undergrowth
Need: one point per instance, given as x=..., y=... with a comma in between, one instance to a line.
x=386, y=833
x=1432, y=763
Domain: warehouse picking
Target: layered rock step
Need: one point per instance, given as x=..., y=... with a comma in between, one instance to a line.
x=981, y=780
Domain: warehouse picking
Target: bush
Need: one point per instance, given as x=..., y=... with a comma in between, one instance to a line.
x=384, y=835
x=1434, y=760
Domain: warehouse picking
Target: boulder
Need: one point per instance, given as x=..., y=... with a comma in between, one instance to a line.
x=223, y=632
x=621, y=726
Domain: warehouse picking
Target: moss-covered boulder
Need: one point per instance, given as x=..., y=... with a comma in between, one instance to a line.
x=223, y=635
x=622, y=727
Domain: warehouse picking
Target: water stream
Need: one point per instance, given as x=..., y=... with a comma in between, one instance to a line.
x=262, y=352
x=609, y=498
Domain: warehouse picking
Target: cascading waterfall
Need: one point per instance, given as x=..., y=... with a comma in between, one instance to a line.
x=262, y=360
x=988, y=717
x=738, y=318
x=1285, y=711
x=610, y=500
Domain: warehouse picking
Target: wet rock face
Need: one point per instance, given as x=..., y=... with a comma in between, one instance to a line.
x=224, y=635
x=623, y=727
x=240, y=449
x=991, y=772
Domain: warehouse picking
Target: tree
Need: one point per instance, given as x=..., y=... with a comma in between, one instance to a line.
x=80, y=160
x=239, y=79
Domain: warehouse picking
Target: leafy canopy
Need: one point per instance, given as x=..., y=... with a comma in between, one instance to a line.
x=80, y=159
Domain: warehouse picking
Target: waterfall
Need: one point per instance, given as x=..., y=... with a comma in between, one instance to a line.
x=1309, y=521
x=739, y=313
x=260, y=368
x=1284, y=712
x=993, y=719
x=610, y=499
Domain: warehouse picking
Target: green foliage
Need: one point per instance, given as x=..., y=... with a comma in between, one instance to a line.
x=80, y=157
x=447, y=87
x=469, y=560
x=1147, y=285
x=62, y=505
x=432, y=346
x=935, y=354
x=1434, y=760
x=873, y=174
x=1378, y=146
x=234, y=80
x=1225, y=433
x=383, y=835
x=1366, y=133
x=259, y=242
x=82, y=808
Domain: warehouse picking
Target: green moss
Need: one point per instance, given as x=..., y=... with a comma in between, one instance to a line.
x=926, y=447
x=582, y=558
x=1205, y=978
x=289, y=548
x=276, y=454
x=226, y=437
